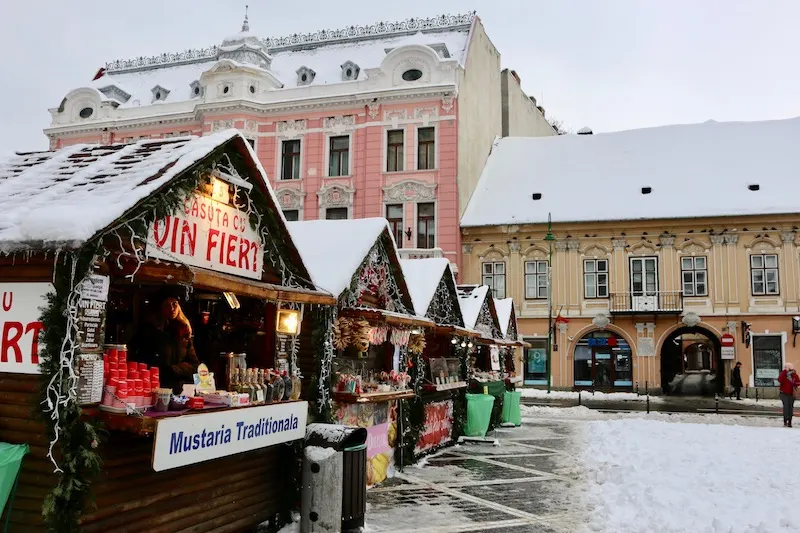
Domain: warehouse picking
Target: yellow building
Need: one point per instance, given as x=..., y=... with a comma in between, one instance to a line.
x=675, y=254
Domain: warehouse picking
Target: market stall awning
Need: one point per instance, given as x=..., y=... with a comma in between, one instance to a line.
x=457, y=330
x=389, y=317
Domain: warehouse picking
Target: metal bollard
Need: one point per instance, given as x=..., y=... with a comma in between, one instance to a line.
x=579, y=398
x=716, y=403
x=647, y=392
x=321, y=502
x=756, y=394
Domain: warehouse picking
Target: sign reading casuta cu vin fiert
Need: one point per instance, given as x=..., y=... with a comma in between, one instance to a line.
x=195, y=438
x=208, y=234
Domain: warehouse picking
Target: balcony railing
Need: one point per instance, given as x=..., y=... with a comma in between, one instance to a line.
x=420, y=253
x=662, y=302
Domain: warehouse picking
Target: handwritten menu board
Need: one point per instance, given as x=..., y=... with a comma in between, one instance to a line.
x=91, y=338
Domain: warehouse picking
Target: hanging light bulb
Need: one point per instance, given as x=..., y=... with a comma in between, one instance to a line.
x=454, y=340
x=463, y=344
x=469, y=345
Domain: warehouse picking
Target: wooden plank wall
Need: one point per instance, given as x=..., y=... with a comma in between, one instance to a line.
x=18, y=399
x=230, y=494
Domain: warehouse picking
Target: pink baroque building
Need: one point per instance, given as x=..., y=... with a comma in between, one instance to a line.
x=392, y=120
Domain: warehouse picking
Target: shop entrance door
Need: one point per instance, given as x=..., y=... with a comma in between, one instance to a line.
x=644, y=283
x=603, y=369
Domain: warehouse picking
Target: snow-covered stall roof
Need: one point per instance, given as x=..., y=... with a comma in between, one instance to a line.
x=332, y=250
x=505, y=315
x=471, y=300
x=424, y=278
x=323, y=52
x=65, y=197
x=678, y=171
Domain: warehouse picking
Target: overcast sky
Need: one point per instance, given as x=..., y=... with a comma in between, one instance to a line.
x=607, y=64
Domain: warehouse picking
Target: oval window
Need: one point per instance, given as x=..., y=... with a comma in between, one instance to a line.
x=252, y=89
x=412, y=75
x=86, y=112
x=158, y=96
x=304, y=78
x=197, y=90
x=226, y=89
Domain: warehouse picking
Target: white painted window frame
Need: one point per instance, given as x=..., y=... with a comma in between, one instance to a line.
x=764, y=269
x=415, y=238
x=386, y=130
x=694, y=270
x=594, y=274
x=435, y=127
x=280, y=158
x=327, y=161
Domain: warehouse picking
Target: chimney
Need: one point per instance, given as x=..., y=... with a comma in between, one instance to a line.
x=585, y=131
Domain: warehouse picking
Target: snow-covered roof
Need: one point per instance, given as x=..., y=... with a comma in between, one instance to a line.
x=323, y=52
x=332, y=250
x=504, y=309
x=676, y=171
x=65, y=197
x=423, y=277
x=471, y=299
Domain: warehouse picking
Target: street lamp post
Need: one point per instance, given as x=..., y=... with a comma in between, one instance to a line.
x=550, y=239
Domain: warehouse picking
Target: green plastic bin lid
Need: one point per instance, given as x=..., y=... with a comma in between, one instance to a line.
x=356, y=448
x=12, y=453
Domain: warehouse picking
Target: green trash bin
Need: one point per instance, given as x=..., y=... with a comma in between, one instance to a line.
x=479, y=414
x=511, y=410
x=10, y=460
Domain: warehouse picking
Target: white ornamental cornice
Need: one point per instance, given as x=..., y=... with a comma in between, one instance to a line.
x=290, y=197
x=336, y=196
x=408, y=191
x=291, y=129
x=339, y=124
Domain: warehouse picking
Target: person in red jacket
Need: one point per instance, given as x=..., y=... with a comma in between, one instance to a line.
x=789, y=382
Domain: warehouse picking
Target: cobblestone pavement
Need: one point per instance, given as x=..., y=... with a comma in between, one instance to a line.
x=527, y=484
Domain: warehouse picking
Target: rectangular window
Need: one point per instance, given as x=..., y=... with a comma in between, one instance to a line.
x=595, y=278
x=494, y=275
x=426, y=149
x=535, y=280
x=694, y=276
x=291, y=215
x=764, y=274
x=394, y=150
x=339, y=156
x=336, y=213
x=394, y=214
x=426, y=225
x=767, y=360
x=290, y=160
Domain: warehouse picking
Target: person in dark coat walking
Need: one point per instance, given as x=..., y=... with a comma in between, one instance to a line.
x=736, y=381
x=789, y=383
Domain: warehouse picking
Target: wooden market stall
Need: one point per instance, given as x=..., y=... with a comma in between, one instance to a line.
x=511, y=352
x=128, y=272
x=485, y=369
x=436, y=417
x=366, y=360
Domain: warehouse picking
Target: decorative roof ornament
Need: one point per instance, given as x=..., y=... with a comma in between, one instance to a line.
x=245, y=24
x=299, y=41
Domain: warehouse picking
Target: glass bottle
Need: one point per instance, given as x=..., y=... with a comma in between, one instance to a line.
x=251, y=386
x=258, y=382
x=269, y=387
x=296, y=385
x=287, y=386
x=277, y=383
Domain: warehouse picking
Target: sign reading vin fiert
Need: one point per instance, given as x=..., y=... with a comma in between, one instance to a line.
x=189, y=439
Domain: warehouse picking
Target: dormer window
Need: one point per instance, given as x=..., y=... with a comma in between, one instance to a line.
x=350, y=71
x=195, y=89
x=305, y=76
x=159, y=93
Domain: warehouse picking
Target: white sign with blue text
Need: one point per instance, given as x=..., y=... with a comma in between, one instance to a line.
x=189, y=439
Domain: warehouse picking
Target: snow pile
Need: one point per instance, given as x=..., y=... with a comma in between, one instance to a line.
x=423, y=277
x=587, y=395
x=332, y=250
x=648, y=476
x=67, y=196
x=579, y=176
x=317, y=454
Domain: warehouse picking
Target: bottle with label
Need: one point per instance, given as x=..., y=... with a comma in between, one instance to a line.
x=296, y=385
x=269, y=388
x=277, y=383
x=257, y=383
x=234, y=380
x=251, y=386
x=287, y=386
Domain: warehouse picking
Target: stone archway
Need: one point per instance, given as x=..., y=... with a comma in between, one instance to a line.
x=691, y=363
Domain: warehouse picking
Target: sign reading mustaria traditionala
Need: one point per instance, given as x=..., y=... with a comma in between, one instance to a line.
x=208, y=234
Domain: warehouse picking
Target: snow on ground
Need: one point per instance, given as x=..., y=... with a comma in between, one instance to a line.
x=532, y=413
x=647, y=475
x=597, y=396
